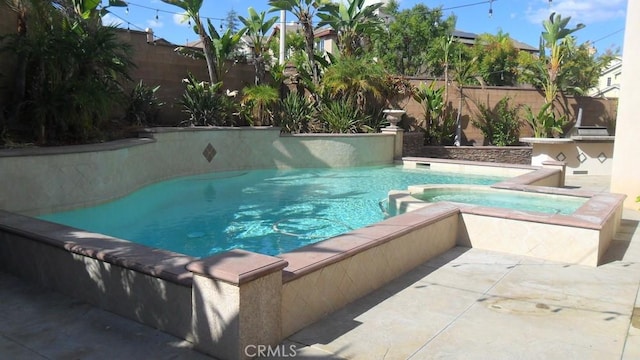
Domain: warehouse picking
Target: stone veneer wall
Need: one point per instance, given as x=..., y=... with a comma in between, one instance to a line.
x=413, y=146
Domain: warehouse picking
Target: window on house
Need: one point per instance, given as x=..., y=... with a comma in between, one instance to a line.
x=321, y=45
x=608, y=81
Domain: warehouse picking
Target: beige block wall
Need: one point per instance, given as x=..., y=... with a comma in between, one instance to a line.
x=625, y=174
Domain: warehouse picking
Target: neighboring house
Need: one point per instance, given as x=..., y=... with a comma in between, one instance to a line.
x=470, y=39
x=609, y=82
x=326, y=40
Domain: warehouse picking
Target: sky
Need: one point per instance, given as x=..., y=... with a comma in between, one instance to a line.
x=521, y=19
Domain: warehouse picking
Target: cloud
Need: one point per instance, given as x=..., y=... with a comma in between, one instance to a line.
x=155, y=23
x=580, y=11
x=180, y=19
x=109, y=19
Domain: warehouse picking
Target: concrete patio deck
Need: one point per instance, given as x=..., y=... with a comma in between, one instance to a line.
x=466, y=303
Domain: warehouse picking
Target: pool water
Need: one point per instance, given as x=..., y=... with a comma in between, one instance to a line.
x=265, y=211
x=516, y=200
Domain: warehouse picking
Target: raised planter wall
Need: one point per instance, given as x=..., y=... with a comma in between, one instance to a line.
x=413, y=146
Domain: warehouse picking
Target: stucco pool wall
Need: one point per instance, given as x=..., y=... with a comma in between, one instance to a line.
x=45, y=180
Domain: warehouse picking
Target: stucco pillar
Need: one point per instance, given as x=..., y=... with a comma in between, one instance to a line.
x=236, y=303
x=625, y=173
x=398, y=140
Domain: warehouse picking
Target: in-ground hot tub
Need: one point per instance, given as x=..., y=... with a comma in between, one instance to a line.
x=500, y=198
x=564, y=225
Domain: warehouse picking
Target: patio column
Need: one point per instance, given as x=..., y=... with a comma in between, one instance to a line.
x=236, y=303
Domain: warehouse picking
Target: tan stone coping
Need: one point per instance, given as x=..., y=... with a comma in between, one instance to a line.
x=467, y=162
x=72, y=149
x=516, y=182
x=237, y=266
x=593, y=214
x=313, y=257
x=163, y=264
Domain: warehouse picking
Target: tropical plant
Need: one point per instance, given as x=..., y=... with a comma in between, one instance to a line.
x=73, y=71
x=305, y=11
x=143, y=105
x=259, y=100
x=359, y=80
x=192, y=10
x=296, y=112
x=353, y=22
x=545, y=123
x=463, y=74
x=342, y=116
x=256, y=28
x=431, y=99
x=499, y=125
x=555, y=31
x=205, y=104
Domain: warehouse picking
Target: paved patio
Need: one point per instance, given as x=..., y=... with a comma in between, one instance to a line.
x=466, y=303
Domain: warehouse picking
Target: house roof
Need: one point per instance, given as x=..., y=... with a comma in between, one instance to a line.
x=470, y=39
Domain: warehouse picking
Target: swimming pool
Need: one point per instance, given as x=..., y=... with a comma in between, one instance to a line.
x=265, y=211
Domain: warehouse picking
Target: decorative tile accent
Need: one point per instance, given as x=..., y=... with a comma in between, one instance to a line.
x=561, y=156
x=209, y=152
x=582, y=157
x=602, y=157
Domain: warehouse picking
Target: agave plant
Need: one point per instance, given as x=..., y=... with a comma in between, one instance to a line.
x=342, y=116
x=296, y=112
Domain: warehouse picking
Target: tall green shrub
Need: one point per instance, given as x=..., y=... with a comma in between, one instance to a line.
x=499, y=125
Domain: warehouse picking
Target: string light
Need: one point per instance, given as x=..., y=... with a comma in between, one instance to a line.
x=490, y=8
x=156, y=14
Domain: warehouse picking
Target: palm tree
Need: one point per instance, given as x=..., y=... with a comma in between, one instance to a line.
x=353, y=22
x=355, y=79
x=256, y=28
x=304, y=10
x=259, y=99
x=192, y=8
x=463, y=74
x=555, y=31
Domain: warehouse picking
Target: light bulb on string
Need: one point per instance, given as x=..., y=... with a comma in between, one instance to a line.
x=156, y=14
x=126, y=11
x=490, y=8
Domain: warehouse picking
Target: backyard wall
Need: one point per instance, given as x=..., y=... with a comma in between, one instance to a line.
x=158, y=64
x=595, y=111
x=42, y=180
